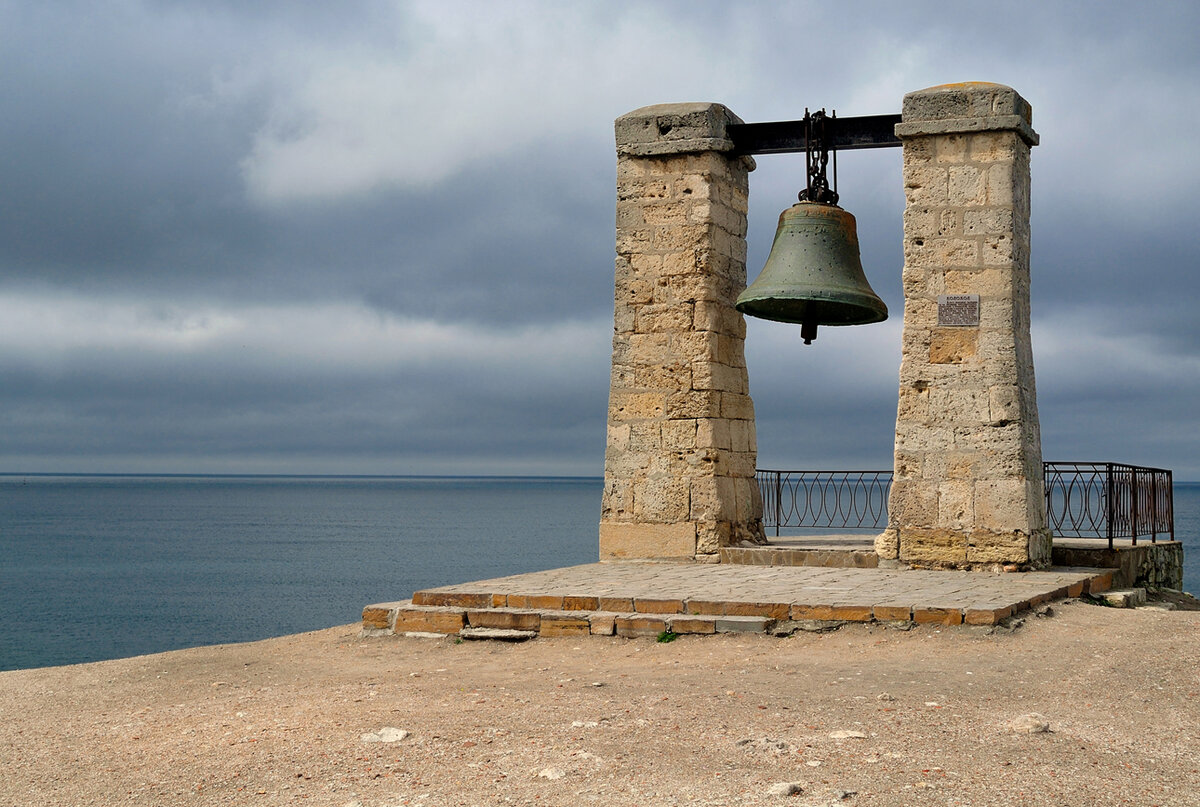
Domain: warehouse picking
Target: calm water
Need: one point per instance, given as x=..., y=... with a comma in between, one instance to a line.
x=105, y=567
x=94, y=568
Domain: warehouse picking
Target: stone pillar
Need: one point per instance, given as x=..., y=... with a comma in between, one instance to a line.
x=680, y=460
x=968, y=488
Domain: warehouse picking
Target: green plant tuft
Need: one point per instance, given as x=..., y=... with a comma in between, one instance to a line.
x=667, y=636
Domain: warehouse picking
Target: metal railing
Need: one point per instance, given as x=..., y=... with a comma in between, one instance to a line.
x=1109, y=500
x=1083, y=499
x=842, y=499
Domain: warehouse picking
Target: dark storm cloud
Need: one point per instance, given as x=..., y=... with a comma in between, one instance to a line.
x=289, y=236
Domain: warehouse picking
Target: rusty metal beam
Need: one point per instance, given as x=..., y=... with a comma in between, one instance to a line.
x=787, y=137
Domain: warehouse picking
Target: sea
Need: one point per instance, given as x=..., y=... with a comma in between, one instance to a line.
x=98, y=567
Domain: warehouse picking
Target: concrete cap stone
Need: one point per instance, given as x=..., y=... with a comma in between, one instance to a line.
x=969, y=106
x=674, y=129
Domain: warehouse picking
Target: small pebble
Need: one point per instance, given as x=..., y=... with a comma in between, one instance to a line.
x=785, y=789
x=1032, y=723
x=387, y=734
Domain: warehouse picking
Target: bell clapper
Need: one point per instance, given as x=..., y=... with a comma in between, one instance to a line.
x=808, y=331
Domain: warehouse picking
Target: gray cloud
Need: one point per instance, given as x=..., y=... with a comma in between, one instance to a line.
x=377, y=237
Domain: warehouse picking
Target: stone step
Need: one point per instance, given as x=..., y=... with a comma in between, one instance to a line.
x=407, y=618
x=793, y=556
x=1124, y=597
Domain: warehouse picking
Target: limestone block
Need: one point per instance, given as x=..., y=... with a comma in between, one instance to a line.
x=674, y=129
x=913, y=403
x=664, y=318
x=679, y=434
x=381, y=616
x=887, y=544
x=624, y=318
x=1001, y=188
x=988, y=221
x=668, y=214
x=989, y=147
x=743, y=435
x=712, y=535
x=429, y=620
x=713, y=499
x=950, y=149
x=694, y=404
x=909, y=464
x=617, y=501
x=912, y=503
x=748, y=499
x=997, y=250
x=739, y=464
x=648, y=348
x=925, y=184
x=998, y=547
x=672, y=374
x=737, y=406
x=560, y=623
x=1004, y=403
x=684, y=261
x=731, y=351
x=967, y=185
x=957, y=404
x=933, y=546
x=634, y=405
x=717, y=433
x=682, y=237
x=627, y=465
x=964, y=100
x=708, y=375
x=952, y=345
x=661, y=499
x=987, y=283
x=622, y=541
x=956, y=505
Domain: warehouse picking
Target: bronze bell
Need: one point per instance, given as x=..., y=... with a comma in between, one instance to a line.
x=814, y=274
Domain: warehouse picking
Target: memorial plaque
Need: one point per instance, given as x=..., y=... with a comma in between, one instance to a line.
x=958, y=310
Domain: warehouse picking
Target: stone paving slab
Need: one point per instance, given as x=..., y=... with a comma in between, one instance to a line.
x=649, y=595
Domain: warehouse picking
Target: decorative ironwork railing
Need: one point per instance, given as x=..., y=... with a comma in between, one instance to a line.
x=1109, y=500
x=841, y=499
x=1083, y=499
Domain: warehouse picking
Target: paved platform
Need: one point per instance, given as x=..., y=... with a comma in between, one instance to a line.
x=827, y=550
x=641, y=598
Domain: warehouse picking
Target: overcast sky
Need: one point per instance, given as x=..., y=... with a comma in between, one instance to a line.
x=377, y=237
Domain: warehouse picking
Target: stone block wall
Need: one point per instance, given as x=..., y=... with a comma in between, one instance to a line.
x=681, y=452
x=968, y=488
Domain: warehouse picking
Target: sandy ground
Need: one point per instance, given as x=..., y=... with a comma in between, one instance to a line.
x=701, y=720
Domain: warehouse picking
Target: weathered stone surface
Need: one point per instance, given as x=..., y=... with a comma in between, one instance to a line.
x=967, y=485
x=692, y=624
x=602, y=624
x=564, y=623
x=640, y=625
x=508, y=619
x=497, y=634
x=742, y=624
x=647, y=540
x=381, y=616
x=429, y=620
x=680, y=459
x=1125, y=597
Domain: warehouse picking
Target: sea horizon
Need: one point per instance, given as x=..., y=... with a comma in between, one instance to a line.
x=111, y=565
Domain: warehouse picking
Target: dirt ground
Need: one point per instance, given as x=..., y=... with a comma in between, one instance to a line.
x=731, y=719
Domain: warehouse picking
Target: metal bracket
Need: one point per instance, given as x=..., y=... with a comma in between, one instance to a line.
x=787, y=137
